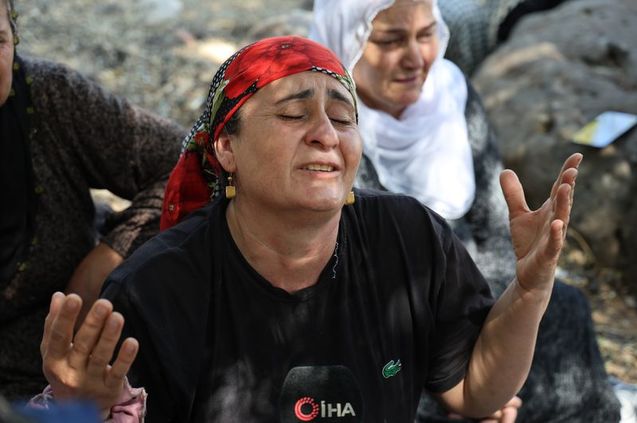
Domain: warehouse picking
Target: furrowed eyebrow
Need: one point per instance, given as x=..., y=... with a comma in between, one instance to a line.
x=430, y=26
x=400, y=30
x=305, y=94
x=302, y=95
x=337, y=95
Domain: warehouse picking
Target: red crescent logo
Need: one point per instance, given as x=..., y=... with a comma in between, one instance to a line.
x=306, y=417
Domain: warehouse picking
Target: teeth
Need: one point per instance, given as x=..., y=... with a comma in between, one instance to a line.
x=319, y=167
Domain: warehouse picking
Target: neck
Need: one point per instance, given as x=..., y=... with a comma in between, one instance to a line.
x=290, y=251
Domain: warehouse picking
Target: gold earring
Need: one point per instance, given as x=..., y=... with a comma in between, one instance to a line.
x=350, y=199
x=231, y=191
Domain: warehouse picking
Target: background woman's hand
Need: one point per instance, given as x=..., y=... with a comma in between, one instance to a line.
x=78, y=366
x=538, y=236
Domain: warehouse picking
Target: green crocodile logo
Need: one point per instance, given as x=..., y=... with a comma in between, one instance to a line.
x=390, y=369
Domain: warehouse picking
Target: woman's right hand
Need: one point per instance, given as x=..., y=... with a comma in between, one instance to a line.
x=77, y=367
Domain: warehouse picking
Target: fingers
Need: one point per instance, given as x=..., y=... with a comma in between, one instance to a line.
x=54, y=309
x=513, y=193
x=556, y=240
x=563, y=203
x=60, y=333
x=494, y=419
x=515, y=402
x=121, y=366
x=89, y=333
x=572, y=162
x=103, y=351
x=507, y=414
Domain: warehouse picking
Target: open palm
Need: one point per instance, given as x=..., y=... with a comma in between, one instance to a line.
x=538, y=235
x=78, y=366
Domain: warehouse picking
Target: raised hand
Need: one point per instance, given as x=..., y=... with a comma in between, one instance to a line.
x=77, y=367
x=538, y=236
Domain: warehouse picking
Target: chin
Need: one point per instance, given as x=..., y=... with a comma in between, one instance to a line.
x=408, y=99
x=323, y=204
x=327, y=206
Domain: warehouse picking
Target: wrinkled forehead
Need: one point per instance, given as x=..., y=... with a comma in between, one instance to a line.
x=403, y=11
x=7, y=16
x=4, y=12
x=263, y=63
x=306, y=85
x=427, y=3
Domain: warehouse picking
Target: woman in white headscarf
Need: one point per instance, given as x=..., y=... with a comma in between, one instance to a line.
x=426, y=134
x=423, y=126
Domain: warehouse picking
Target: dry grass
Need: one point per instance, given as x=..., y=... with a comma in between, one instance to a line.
x=614, y=307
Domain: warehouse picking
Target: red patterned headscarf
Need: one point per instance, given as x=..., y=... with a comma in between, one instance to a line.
x=196, y=179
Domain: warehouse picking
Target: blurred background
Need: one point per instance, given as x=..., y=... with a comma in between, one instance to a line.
x=552, y=73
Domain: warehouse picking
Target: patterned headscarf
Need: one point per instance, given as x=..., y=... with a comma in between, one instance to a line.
x=197, y=177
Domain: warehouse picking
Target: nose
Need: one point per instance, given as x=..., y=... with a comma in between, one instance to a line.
x=413, y=57
x=321, y=132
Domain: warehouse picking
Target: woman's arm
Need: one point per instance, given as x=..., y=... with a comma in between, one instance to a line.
x=90, y=274
x=108, y=143
x=502, y=355
x=119, y=147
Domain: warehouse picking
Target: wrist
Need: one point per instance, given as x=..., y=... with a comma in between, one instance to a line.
x=535, y=296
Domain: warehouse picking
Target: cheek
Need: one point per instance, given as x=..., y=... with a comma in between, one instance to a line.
x=370, y=69
x=362, y=76
x=6, y=76
x=431, y=52
x=386, y=65
x=6, y=62
x=266, y=158
x=352, y=150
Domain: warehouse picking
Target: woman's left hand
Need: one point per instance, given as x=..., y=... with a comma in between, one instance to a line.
x=538, y=235
x=507, y=414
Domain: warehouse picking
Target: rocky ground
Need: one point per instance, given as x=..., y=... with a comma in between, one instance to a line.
x=162, y=54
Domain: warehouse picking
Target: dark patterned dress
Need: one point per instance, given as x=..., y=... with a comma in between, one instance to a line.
x=79, y=137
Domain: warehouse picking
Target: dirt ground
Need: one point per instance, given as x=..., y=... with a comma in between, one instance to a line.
x=162, y=56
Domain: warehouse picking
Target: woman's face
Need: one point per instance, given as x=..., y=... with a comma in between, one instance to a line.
x=298, y=145
x=6, y=54
x=400, y=50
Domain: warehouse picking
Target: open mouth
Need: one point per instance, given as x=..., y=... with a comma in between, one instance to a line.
x=319, y=168
x=407, y=80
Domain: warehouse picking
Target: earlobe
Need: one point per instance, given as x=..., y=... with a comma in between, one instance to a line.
x=225, y=153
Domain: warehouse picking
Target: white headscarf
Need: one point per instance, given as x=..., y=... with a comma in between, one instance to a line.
x=425, y=153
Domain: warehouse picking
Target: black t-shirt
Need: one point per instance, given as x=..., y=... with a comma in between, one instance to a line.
x=397, y=309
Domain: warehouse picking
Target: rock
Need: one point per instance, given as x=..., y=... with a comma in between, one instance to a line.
x=628, y=241
x=158, y=11
x=296, y=22
x=558, y=71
